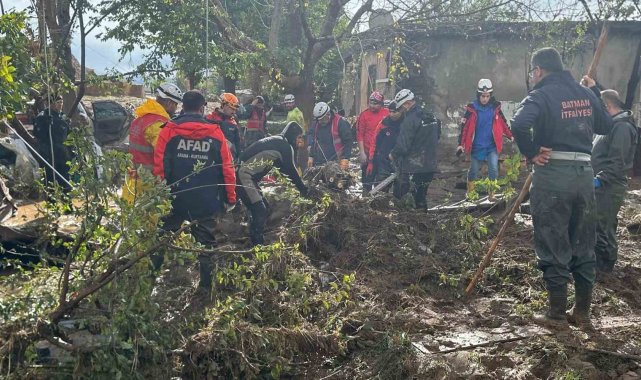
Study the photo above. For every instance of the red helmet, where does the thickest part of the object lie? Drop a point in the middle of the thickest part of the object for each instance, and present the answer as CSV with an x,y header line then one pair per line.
x,y
376,97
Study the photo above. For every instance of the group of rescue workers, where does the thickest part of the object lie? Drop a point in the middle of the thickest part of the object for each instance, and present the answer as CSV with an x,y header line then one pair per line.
x,y
577,189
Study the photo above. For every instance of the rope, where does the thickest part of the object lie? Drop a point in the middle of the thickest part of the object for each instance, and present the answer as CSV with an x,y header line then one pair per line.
x,y
206,45
39,156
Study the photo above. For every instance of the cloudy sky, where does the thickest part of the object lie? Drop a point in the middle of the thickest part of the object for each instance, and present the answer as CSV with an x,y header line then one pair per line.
x,y
101,55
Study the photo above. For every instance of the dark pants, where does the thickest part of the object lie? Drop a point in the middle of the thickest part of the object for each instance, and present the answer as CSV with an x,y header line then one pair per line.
x,y
60,157
257,209
609,199
203,233
563,213
421,183
367,180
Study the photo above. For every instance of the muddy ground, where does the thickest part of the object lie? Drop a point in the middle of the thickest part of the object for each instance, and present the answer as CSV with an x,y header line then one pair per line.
x,y
410,319
404,314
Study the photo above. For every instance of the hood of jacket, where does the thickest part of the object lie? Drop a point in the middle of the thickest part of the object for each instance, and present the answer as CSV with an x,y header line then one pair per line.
x,y
624,116
291,132
151,106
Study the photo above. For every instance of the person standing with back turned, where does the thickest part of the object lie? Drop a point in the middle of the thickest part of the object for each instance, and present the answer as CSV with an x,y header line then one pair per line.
x,y
553,128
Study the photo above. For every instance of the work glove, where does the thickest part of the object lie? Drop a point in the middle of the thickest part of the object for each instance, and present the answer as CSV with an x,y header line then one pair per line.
x,y
459,150
229,207
362,157
597,183
310,162
344,164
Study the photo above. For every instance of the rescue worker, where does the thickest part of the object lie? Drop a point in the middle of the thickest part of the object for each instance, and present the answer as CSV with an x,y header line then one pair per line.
x,y
366,125
51,129
296,115
256,161
484,126
225,116
330,138
293,112
193,157
143,134
416,148
553,128
256,117
612,159
379,165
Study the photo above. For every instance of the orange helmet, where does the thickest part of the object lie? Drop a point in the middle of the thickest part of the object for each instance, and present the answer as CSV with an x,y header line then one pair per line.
x,y
229,98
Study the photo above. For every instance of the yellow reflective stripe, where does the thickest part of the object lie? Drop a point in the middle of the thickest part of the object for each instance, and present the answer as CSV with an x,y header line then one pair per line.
x,y
141,148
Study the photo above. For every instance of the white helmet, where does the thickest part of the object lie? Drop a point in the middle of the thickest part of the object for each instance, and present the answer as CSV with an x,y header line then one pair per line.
x,y
289,98
485,85
320,109
403,96
170,91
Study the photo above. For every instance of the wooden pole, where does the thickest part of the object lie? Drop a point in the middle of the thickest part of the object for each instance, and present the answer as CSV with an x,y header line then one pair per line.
x,y
499,236
599,49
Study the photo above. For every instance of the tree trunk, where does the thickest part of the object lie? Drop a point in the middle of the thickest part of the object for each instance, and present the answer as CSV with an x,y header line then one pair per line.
x,y
274,30
305,95
58,19
191,78
229,84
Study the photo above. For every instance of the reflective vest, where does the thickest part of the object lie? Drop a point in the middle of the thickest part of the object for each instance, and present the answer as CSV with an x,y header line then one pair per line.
x,y
336,137
256,122
142,152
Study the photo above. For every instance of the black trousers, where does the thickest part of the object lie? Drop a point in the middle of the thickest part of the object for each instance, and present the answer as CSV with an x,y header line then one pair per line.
x,y
258,211
421,183
203,233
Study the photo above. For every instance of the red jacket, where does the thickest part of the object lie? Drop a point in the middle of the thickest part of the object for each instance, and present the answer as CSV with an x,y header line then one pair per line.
x,y
499,128
366,126
183,143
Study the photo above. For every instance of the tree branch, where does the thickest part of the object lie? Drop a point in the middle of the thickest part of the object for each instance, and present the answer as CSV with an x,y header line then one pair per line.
x,y
366,7
303,20
230,32
115,267
331,17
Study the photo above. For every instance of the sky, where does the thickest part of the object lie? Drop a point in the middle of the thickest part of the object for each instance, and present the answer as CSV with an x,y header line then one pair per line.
x,y
101,56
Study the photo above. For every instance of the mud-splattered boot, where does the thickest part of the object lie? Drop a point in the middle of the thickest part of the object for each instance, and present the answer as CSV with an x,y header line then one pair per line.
x,y
579,315
555,317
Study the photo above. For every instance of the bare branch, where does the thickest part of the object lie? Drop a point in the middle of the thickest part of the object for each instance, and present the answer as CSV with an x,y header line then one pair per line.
x,y
366,7
303,20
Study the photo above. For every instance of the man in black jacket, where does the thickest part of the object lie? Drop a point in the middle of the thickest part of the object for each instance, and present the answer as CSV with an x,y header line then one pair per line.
x,y
416,149
51,129
612,158
553,128
256,161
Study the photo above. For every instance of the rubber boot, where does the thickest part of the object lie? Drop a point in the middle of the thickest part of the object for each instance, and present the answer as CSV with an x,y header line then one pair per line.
x,y
420,197
579,315
205,267
555,317
470,188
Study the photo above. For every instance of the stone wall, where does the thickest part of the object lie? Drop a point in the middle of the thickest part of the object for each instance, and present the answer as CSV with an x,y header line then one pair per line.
x,y
445,65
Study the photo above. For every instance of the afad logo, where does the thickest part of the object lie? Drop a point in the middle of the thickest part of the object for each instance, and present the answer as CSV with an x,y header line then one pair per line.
x,y
195,145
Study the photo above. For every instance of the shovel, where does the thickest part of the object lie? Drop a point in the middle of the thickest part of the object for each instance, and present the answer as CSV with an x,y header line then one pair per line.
x,y
383,184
